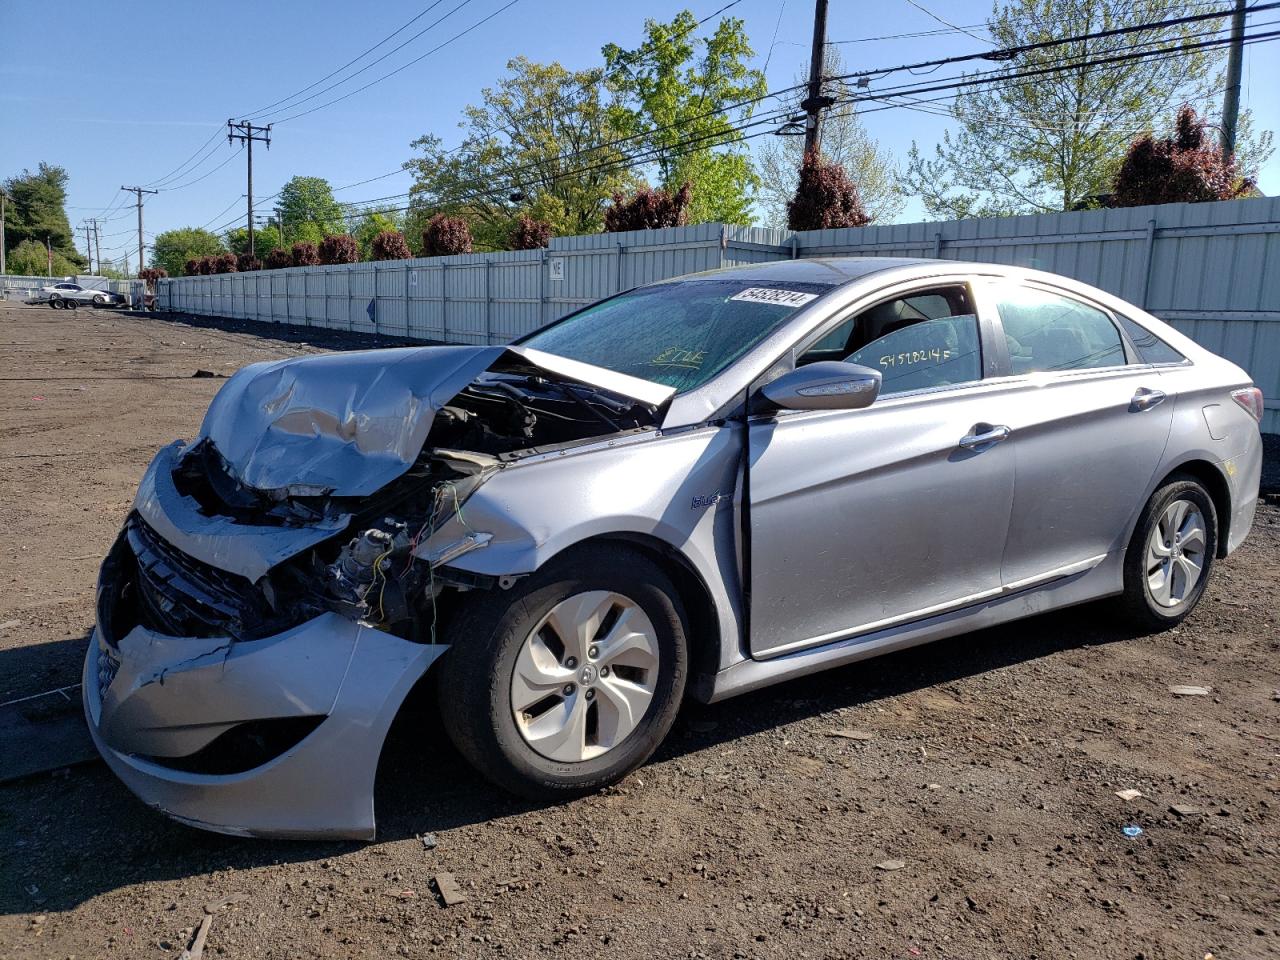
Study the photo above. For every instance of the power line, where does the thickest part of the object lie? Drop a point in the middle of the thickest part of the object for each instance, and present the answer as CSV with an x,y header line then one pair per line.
x,y
1009,53
399,29
373,63
405,66
187,167
203,176
947,23
973,80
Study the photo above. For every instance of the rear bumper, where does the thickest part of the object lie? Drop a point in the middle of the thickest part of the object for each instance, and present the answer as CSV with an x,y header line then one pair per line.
x,y
152,697
1244,476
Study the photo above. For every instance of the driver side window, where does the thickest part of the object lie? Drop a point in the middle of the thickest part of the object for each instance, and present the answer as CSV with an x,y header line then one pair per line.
x,y
928,338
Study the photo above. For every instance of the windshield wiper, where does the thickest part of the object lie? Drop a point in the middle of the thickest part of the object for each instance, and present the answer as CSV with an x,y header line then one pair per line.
x,y
566,390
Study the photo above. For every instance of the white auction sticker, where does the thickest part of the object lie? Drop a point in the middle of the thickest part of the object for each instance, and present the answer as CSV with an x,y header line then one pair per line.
x,y
783,298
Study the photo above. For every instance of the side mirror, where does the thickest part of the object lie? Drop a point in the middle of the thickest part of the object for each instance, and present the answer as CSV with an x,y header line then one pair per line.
x,y
826,385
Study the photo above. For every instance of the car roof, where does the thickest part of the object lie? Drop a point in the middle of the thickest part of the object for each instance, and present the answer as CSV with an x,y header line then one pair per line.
x,y
835,271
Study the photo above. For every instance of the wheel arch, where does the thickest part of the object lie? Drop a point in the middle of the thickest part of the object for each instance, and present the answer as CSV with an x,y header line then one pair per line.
x,y
693,592
1210,476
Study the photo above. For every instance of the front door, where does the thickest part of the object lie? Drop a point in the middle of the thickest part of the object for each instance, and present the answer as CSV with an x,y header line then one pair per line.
x,y
859,520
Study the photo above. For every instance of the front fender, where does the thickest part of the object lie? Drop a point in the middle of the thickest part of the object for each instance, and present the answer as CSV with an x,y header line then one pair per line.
x,y
681,489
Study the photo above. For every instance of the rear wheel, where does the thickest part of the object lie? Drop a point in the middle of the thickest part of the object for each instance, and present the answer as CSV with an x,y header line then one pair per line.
x,y
571,679
56,302
1170,556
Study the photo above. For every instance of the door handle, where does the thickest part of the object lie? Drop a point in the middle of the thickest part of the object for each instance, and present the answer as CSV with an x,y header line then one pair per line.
x,y
990,435
1145,399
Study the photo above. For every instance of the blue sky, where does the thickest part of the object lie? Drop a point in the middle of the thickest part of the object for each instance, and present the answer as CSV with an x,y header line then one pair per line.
x,y
150,82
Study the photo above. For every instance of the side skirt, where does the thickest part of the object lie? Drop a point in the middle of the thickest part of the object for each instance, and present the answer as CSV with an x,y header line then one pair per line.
x,y
1100,579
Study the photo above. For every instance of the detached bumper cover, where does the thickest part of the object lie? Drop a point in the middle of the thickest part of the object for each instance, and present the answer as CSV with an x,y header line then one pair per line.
x,y
154,696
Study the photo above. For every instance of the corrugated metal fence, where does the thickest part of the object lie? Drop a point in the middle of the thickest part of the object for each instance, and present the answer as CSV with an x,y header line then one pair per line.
x,y
1210,269
473,298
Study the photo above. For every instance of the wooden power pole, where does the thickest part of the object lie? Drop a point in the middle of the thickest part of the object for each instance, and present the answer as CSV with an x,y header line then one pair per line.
x,y
1231,97
138,191
815,102
246,133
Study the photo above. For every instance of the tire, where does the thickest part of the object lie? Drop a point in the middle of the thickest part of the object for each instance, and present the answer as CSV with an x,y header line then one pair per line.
x,y
1159,591
69,304
57,303
496,633
99,301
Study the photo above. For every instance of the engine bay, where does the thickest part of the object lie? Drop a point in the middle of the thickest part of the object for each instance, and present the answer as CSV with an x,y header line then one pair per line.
x,y
374,568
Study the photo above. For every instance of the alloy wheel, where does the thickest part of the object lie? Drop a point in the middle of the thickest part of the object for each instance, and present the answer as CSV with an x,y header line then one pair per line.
x,y
585,676
1176,554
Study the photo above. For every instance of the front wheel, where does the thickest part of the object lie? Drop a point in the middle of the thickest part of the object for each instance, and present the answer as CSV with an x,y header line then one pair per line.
x,y
571,679
99,301
1167,565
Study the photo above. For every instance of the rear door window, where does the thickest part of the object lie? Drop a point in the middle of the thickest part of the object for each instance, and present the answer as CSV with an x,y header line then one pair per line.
x,y
1048,332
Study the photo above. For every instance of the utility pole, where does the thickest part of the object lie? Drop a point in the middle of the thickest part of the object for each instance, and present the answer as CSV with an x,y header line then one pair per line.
x,y
97,242
48,252
815,102
88,246
280,226
1231,98
246,133
138,191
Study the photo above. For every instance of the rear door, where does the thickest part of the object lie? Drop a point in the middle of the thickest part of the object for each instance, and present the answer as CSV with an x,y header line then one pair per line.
x,y
862,519
1089,422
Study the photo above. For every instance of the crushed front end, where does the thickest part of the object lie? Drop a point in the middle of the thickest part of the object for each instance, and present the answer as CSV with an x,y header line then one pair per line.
x,y
255,640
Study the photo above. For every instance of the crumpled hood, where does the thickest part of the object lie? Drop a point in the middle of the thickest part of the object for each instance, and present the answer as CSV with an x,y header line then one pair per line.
x,y
340,423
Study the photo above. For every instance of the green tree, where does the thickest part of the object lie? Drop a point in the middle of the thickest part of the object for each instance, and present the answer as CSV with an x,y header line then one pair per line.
x,y
265,239
531,147
667,94
309,210
30,259
1056,140
173,248
371,223
845,141
36,211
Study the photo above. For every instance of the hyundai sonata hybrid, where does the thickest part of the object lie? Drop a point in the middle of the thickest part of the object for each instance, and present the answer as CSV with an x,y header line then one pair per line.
x,y
697,487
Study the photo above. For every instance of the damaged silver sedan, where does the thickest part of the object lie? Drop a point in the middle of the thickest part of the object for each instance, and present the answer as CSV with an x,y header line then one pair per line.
x,y
701,486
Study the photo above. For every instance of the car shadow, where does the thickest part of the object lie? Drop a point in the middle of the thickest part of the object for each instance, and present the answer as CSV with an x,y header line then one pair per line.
x,y
76,834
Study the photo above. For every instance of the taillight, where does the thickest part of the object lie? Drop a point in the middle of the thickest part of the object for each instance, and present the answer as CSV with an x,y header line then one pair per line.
x,y
1250,399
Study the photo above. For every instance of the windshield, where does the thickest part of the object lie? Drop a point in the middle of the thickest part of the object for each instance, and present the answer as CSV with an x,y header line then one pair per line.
x,y
678,334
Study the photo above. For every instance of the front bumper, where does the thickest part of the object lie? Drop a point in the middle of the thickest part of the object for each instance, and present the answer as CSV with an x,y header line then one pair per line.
x,y
151,697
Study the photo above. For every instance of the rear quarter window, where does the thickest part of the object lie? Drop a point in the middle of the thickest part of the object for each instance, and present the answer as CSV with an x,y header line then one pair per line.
x,y
1150,347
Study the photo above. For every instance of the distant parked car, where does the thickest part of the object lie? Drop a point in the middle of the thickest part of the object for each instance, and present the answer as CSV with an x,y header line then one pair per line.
x,y
75,292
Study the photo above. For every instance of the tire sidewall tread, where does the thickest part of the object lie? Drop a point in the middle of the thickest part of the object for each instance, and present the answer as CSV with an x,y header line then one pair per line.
x,y
1136,602
487,634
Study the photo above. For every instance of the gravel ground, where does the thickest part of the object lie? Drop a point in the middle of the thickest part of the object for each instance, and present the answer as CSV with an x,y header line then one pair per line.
x,y
955,801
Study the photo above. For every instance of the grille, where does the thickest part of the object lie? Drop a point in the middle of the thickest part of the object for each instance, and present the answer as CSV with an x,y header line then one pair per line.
x,y
181,596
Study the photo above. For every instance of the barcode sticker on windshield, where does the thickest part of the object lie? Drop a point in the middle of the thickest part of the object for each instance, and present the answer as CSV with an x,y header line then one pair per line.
x,y
782,298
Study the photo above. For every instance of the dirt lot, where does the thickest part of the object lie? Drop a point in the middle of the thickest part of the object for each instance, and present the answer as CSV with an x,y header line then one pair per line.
x,y
989,765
